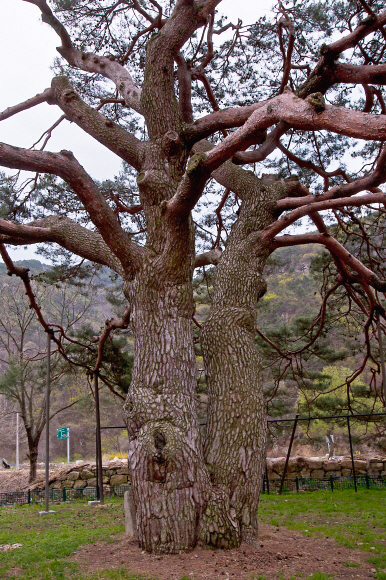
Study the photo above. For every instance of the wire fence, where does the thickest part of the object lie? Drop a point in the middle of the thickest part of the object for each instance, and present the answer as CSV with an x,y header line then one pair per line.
x,y
297,484
37,496
301,484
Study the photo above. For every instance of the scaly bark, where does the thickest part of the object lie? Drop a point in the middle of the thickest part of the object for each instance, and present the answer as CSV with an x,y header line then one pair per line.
x,y
236,430
165,454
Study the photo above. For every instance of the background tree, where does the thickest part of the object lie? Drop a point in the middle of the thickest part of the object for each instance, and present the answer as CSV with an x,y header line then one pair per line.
x,y
23,358
183,112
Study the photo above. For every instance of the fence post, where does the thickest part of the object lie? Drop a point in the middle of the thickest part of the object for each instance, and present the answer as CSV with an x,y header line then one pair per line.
x,y
29,496
367,481
288,454
351,451
332,483
64,494
297,484
266,477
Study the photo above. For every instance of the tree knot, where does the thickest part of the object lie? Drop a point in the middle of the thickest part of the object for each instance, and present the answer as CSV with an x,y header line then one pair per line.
x,y
317,101
195,162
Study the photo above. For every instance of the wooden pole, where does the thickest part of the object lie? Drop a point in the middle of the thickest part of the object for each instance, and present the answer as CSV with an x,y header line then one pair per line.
x,y
352,455
48,386
17,441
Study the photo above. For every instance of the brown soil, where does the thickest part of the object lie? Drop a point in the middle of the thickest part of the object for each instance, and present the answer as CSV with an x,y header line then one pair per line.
x,y
17,480
282,554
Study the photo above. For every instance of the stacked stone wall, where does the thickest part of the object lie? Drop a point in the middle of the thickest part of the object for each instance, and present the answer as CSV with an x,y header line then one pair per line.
x,y
116,473
82,476
316,467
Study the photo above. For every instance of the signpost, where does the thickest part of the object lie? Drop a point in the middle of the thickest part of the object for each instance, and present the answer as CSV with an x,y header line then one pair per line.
x,y
64,433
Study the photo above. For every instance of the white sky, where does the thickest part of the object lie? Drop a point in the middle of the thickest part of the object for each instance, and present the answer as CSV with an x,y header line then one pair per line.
x,y
27,50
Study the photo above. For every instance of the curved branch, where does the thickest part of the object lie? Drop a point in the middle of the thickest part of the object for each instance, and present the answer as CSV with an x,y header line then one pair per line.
x,y
67,167
287,23
364,274
110,325
307,115
316,206
369,182
63,231
91,62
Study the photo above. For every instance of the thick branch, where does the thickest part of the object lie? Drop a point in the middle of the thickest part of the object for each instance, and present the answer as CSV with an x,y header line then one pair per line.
x,y
67,167
63,231
208,258
110,134
358,74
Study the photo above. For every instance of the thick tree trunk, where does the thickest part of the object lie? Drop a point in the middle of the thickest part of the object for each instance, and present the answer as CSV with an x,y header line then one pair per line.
x,y
235,444
165,453
179,497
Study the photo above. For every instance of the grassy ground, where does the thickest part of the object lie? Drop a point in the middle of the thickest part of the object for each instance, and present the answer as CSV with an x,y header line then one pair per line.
x,y
354,520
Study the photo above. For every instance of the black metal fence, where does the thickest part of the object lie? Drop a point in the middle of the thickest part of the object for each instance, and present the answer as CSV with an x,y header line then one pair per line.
x,y
37,496
299,484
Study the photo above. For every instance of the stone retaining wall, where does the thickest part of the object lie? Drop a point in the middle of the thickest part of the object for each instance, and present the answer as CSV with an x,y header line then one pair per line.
x,y
317,467
117,473
83,476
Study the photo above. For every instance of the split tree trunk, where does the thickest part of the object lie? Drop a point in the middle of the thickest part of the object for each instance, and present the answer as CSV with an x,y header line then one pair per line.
x,y
235,444
187,491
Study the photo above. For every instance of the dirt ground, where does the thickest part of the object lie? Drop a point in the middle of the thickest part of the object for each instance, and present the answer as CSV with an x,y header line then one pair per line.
x,y
282,554
17,480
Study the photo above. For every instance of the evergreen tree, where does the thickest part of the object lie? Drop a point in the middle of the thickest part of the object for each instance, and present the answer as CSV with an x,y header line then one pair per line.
x,y
189,115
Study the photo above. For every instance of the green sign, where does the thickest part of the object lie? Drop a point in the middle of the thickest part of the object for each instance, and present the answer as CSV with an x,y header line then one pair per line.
x,y
62,432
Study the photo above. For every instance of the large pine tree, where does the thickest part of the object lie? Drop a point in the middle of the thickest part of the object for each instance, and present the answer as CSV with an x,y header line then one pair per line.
x,y
189,117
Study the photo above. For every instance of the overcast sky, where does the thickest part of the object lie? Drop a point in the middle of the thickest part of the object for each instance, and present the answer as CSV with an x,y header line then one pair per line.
x,y
27,49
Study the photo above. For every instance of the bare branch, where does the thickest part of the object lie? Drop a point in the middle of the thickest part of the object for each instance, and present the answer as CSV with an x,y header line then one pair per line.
x,y
104,130
64,232
67,167
110,325
369,182
91,62
287,23
44,97
329,242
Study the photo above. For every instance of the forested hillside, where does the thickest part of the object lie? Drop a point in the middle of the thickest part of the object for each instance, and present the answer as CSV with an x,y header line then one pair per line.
x,y
293,298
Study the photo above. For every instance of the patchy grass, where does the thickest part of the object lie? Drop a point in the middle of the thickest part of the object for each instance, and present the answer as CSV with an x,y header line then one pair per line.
x,y
48,540
355,520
